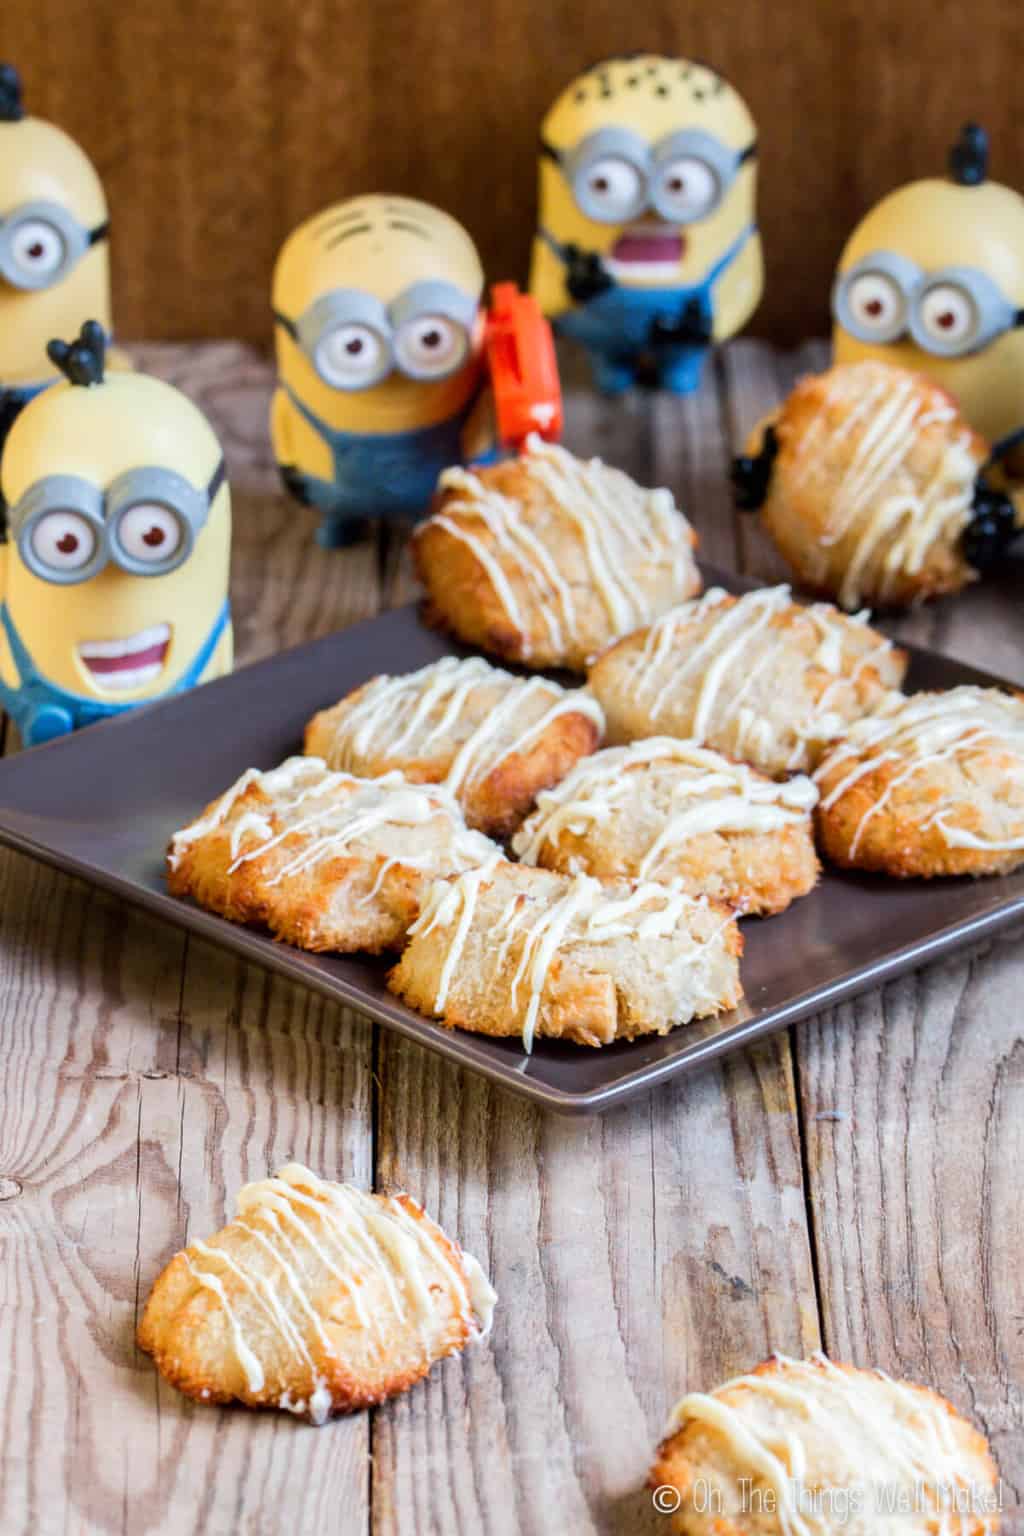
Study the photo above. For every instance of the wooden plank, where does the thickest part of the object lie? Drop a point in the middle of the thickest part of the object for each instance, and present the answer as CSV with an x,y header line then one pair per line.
x,y
661,1247
144,1077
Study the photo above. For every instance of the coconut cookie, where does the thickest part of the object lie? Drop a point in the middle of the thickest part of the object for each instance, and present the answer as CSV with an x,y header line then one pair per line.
x,y
673,811
546,558
809,1448
318,1298
324,860
930,785
509,950
871,485
493,739
757,677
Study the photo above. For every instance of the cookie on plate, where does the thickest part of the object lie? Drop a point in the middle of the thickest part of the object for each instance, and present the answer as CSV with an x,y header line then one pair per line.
x,y
510,950
673,811
318,1298
822,1449
930,785
493,739
546,558
758,677
324,860
871,485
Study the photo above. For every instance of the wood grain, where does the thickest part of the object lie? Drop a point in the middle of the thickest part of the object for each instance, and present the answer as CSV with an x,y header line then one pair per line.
x,y
217,128
144,1076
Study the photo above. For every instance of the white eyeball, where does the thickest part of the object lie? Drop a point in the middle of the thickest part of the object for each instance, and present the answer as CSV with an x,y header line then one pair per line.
x,y
876,304
610,189
149,532
351,357
64,541
948,315
687,189
430,347
37,249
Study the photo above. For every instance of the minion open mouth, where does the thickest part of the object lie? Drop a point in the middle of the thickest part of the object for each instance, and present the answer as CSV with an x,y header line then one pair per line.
x,y
647,251
121,665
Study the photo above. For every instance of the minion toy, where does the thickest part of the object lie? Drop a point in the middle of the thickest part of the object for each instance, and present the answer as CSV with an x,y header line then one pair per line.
x,y
114,570
933,279
389,369
54,261
647,249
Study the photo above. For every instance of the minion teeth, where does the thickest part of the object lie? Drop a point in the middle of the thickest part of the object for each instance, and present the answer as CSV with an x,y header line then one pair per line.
x,y
646,252
126,664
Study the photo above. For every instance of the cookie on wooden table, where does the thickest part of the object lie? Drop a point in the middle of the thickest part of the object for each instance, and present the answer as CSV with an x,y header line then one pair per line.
x,y
872,485
546,558
493,739
930,785
318,1298
510,950
812,1448
759,677
324,860
674,811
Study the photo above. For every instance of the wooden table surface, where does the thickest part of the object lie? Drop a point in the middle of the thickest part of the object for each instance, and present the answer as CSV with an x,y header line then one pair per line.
x,y
856,1184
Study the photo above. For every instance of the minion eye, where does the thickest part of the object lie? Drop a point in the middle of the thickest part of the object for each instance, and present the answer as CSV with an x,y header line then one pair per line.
x,y
610,189
430,347
149,532
876,307
38,250
351,357
63,541
687,189
948,315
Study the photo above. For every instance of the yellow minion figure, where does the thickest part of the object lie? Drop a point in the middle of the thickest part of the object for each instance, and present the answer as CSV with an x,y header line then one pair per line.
x,y
54,262
647,249
114,569
386,369
933,279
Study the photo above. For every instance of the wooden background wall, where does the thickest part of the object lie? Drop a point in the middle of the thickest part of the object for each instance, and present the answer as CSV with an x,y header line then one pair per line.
x,y
218,124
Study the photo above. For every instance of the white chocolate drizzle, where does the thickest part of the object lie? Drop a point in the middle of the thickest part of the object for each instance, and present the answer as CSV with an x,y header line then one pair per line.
x,y
352,1237
894,517
322,813
621,526
709,793
867,1431
734,650
419,712
584,911
916,733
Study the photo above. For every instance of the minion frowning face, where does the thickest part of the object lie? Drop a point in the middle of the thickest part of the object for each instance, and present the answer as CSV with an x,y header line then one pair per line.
x,y
54,263
118,526
649,162
377,305
933,280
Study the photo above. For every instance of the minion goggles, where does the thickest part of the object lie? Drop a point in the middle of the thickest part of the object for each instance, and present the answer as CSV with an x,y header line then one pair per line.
x,y
354,340
948,313
40,243
147,522
654,167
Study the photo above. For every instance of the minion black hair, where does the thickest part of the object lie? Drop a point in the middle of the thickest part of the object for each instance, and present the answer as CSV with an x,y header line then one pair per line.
x,y
81,360
11,110
968,159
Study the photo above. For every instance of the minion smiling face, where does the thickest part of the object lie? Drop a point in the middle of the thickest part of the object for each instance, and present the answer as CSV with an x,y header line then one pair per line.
x,y
649,163
118,524
377,310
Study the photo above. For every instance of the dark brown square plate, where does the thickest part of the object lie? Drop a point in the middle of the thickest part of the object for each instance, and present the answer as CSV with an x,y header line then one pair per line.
x,y
102,804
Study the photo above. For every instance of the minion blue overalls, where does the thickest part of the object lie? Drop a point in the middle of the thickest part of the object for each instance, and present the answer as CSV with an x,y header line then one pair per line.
x,y
378,474
618,326
43,711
